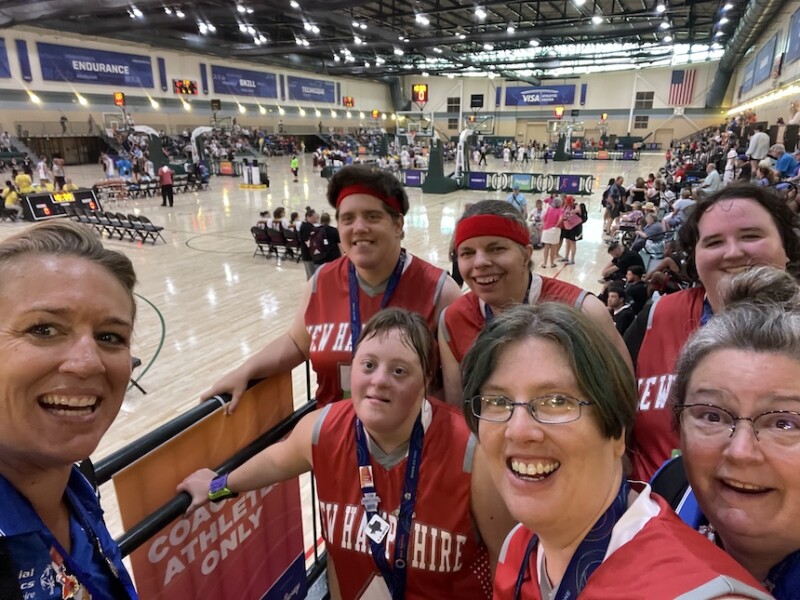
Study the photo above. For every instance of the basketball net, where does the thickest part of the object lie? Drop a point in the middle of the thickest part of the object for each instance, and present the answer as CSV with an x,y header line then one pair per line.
x,y
410,135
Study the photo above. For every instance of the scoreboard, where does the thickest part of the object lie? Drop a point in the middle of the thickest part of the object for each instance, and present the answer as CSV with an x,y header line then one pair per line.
x,y
50,205
185,87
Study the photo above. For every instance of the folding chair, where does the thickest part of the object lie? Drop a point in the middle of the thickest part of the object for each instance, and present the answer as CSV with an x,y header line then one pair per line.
x,y
115,226
263,245
138,226
292,243
126,227
277,242
150,230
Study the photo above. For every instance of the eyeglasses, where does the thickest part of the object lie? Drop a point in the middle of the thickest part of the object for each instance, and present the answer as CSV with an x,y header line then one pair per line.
x,y
775,427
553,408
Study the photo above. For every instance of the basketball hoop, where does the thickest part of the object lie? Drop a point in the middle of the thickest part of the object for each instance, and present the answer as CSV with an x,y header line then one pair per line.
x,y
410,135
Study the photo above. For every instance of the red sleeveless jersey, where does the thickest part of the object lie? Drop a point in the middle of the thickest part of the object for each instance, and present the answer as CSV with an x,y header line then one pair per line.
x,y
673,319
464,319
663,561
445,557
328,317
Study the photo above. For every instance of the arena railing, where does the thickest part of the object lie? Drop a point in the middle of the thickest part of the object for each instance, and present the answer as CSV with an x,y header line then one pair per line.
x,y
148,527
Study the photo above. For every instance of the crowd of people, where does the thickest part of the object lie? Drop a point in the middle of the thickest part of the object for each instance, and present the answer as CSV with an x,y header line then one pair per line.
x,y
526,436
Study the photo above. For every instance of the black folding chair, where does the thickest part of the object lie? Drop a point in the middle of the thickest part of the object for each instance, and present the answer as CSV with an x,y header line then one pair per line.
x,y
263,245
127,227
151,230
292,243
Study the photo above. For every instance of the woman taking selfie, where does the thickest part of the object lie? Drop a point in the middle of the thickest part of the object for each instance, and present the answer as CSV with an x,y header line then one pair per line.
x,y
66,321
554,438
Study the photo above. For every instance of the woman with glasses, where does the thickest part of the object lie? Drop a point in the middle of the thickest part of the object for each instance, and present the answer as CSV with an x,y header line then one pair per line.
x,y
728,232
494,257
554,438
408,506
737,394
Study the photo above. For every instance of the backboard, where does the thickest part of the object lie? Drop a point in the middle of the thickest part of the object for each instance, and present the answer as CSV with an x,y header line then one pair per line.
x,y
482,124
420,123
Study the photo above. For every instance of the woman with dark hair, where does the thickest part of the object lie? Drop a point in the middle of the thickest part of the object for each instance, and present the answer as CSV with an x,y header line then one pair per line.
x,y
554,439
409,507
494,257
735,229
304,233
743,366
375,272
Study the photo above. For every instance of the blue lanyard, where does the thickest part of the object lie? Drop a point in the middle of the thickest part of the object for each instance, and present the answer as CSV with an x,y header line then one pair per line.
x,y
488,313
355,308
707,313
588,556
395,578
783,580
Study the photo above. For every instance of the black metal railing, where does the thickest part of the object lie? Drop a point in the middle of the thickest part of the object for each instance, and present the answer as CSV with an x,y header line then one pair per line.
x,y
148,527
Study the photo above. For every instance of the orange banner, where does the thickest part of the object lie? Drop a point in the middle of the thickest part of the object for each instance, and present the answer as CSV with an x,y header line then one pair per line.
x,y
241,548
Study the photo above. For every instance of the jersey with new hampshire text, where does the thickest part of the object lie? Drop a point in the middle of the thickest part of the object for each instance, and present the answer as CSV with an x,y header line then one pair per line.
x,y
673,320
445,557
464,318
663,561
328,317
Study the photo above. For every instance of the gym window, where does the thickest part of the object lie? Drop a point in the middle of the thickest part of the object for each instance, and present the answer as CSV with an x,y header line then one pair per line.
x,y
452,123
641,122
644,99
454,106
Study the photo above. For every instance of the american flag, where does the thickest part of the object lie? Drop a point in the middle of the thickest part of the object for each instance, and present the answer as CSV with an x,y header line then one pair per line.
x,y
681,87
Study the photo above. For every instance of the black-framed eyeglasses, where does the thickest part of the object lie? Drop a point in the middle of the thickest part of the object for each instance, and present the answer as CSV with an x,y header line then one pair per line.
x,y
779,427
549,409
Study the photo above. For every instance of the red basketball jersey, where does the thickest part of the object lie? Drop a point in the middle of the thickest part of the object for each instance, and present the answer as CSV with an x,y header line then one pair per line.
x,y
445,557
673,319
328,317
464,319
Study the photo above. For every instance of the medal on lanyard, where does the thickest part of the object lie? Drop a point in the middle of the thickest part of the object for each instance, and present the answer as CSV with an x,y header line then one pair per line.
x,y
587,557
488,313
355,308
377,527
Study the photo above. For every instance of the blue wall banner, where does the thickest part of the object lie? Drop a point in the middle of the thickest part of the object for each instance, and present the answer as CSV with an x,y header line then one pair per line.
x,y
584,87
498,95
477,181
5,67
747,78
793,51
162,73
764,60
523,180
239,82
338,93
204,78
87,65
540,95
312,90
24,60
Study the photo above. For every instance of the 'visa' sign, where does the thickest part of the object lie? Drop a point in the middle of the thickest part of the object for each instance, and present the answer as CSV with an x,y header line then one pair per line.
x,y
553,94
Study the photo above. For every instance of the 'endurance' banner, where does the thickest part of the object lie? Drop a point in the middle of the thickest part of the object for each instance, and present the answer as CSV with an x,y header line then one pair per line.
x,y
87,65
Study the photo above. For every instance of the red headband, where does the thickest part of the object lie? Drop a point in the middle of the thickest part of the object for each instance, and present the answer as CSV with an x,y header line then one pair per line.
x,y
491,225
360,188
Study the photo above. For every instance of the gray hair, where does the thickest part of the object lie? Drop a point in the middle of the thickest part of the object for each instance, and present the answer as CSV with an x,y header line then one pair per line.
x,y
556,202
762,314
602,375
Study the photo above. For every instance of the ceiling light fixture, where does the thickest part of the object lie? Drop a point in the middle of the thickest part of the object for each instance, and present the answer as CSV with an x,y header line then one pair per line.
x,y
488,46
426,74
723,20
168,10
510,29
728,6
262,110
422,19
81,100
211,28
333,113
317,113
597,19
668,39
281,111
399,51
357,40
34,98
179,13
661,7
294,4
136,12
241,8
480,13
242,108
580,2
535,43
154,103
664,25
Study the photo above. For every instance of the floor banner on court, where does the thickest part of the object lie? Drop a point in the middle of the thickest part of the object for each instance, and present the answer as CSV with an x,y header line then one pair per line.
x,y
247,548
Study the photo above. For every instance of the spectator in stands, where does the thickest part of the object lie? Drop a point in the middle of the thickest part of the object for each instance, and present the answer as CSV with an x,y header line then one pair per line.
x,y
69,186
166,178
636,288
742,366
376,271
680,210
555,438
517,200
620,309
67,312
758,148
389,417
765,176
621,260
739,227
5,142
648,229
785,162
713,182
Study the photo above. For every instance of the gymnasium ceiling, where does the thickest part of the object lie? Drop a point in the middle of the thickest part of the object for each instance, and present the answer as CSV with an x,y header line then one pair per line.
x,y
378,39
